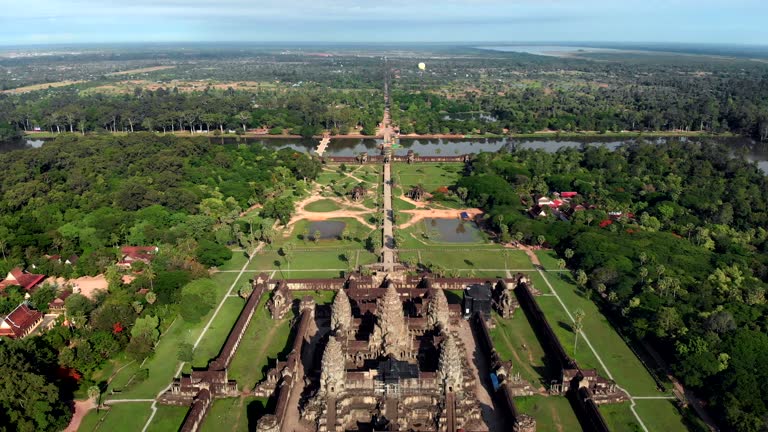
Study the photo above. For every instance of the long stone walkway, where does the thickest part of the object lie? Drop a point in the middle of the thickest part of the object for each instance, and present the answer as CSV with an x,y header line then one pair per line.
x,y
389,240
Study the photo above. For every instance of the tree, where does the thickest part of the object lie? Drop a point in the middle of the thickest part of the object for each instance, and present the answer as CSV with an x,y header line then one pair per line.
x,y
151,297
244,117
561,264
578,324
31,398
197,299
568,253
212,254
94,393
246,291
581,278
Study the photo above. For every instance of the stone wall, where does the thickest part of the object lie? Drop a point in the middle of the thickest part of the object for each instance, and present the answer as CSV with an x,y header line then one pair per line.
x,y
371,159
547,336
590,415
197,413
581,396
315,284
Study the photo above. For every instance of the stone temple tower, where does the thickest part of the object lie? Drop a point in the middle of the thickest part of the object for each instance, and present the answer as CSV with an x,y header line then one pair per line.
x,y
333,369
449,369
341,313
437,310
391,330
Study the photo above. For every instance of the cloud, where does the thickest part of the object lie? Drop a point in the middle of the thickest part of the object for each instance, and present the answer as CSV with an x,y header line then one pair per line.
x,y
376,20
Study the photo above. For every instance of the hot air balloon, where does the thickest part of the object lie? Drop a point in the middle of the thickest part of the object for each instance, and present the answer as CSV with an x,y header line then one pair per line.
x,y
422,66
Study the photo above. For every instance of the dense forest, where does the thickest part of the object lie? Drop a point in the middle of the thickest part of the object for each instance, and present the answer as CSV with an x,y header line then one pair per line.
x,y
87,195
683,268
306,111
652,103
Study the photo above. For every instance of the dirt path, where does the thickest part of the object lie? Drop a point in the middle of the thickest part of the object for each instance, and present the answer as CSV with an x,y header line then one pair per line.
x,y
418,215
353,210
81,409
528,251
348,174
556,419
250,209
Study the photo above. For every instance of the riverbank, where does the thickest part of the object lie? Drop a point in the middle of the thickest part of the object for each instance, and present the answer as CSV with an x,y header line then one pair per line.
x,y
540,134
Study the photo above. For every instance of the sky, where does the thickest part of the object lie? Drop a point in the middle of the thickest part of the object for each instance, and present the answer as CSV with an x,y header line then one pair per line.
x,y
88,21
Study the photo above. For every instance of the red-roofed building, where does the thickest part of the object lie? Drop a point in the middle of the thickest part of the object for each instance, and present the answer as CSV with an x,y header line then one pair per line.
x,y
131,254
556,203
605,223
21,322
17,277
568,194
58,304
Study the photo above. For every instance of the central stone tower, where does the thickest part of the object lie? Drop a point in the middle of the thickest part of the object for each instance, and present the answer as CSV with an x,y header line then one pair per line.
x,y
390,334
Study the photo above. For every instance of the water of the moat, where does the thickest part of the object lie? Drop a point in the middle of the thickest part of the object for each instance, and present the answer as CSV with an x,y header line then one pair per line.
x,y
756,152
453,230
327,229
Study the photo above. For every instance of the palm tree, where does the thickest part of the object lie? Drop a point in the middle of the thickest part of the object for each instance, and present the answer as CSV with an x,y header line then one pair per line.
x,y
150,275
94,393
151,297
578,324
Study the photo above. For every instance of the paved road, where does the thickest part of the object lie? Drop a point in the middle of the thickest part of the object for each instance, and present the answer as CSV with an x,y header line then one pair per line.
x,y
388,241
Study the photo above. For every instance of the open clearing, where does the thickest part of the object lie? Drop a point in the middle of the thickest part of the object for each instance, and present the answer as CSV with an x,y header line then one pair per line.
x,y
141,70
35,87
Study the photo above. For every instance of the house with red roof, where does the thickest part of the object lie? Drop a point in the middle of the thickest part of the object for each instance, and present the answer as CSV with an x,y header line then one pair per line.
x,y
20,322
132,254
568,194
17,277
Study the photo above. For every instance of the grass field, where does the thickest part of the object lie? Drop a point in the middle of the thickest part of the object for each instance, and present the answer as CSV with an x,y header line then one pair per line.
x,y
35,87
217,333
660,415
620,418
626,368
320,297
168,418
552,413
123,417
548,259
234,414
262,342
515,341
236,263
430,176
324,205
163,363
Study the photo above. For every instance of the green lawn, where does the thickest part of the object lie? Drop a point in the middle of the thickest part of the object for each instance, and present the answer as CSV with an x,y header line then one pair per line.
x,y
458,258
324,205
236,263
619,359
548,259
515,341
620,418
217,333
552,413
430,176
262,342
399,204
660,415
127,417
234,414
162,365
168,418
326,260
320,297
